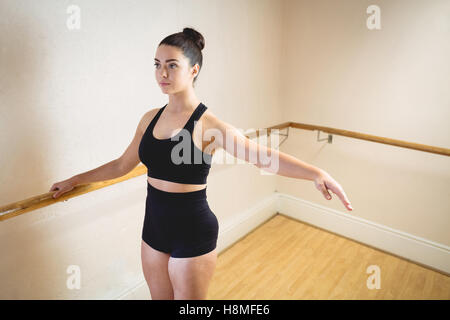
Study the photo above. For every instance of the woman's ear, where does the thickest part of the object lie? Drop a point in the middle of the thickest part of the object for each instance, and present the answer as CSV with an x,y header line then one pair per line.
x,y
195,70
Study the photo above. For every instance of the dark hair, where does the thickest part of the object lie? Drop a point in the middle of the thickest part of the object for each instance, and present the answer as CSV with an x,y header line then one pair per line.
x,y
191,43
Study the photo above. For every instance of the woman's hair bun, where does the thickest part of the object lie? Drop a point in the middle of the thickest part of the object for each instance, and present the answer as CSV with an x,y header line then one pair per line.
x,y
195,36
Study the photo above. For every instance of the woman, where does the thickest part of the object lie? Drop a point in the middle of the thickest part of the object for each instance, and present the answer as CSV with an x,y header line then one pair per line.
x,y
179,235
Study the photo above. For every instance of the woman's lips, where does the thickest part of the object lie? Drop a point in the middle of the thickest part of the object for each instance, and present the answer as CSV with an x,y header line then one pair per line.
x,y
164,84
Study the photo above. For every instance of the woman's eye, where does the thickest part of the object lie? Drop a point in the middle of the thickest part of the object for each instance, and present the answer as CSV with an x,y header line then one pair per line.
x,y
173,64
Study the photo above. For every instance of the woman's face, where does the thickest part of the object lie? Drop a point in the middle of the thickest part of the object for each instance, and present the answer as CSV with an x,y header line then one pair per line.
x,y
172,67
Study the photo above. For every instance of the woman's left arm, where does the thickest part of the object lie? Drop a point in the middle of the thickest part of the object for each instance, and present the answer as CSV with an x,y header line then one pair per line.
x,y
286,165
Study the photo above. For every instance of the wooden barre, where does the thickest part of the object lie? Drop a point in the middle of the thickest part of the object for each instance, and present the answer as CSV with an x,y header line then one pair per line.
x,y
46,199
368,137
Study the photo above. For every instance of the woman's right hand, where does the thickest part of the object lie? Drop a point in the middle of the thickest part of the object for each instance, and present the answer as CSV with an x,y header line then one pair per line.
x,y
62,187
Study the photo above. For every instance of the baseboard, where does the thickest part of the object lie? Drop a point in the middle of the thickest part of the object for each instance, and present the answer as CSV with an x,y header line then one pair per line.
x,y
421,251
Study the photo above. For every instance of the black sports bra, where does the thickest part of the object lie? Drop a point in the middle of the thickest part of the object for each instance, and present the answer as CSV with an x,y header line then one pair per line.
x,y
177,158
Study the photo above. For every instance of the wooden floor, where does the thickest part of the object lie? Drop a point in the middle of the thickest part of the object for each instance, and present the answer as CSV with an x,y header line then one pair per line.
x,y
287,259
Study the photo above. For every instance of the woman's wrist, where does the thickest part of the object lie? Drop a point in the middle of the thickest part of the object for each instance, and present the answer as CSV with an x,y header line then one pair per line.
x,y
75,180
319,174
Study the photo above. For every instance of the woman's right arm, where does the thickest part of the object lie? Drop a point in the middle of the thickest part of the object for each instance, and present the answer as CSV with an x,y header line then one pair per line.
x,y
111,170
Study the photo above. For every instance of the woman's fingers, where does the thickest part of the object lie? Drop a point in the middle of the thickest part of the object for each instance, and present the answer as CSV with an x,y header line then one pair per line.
x,y
57,187
339,191
62,187
54,187
324,183
324,191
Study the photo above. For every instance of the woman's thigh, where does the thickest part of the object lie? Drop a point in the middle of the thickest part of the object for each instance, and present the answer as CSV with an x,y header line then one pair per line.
x,y
190,277
155,267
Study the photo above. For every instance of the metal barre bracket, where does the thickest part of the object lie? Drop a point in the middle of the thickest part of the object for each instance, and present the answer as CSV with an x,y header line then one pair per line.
x,y
330,137
282,134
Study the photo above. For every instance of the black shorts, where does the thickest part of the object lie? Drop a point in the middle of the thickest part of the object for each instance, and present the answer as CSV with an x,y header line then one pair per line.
x,y
179,223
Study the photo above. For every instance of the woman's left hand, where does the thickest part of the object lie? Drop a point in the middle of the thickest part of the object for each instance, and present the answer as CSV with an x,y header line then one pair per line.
x,y
324,183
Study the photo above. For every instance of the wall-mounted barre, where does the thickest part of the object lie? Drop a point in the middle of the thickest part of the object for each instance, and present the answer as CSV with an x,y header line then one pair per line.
x,y
368,137
46,199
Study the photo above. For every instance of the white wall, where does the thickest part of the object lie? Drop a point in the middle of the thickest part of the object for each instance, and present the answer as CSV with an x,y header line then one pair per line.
x,y
70,101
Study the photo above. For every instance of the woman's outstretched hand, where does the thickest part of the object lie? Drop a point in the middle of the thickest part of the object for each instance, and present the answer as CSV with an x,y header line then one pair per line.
x,y
324,183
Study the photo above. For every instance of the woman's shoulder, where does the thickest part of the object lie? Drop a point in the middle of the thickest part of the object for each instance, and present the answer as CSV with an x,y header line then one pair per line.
x,y
209,118
147,118
212,121
150,114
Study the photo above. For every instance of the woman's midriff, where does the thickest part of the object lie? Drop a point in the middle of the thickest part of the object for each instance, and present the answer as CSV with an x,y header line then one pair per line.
x,y
169,186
